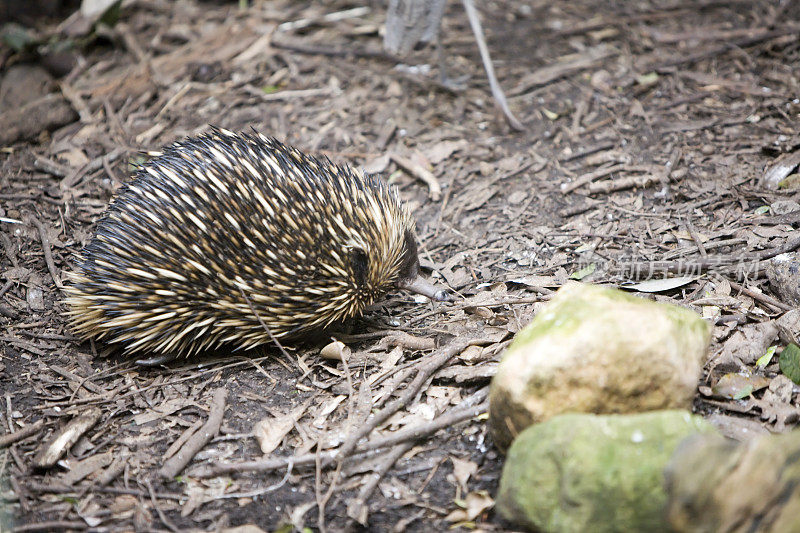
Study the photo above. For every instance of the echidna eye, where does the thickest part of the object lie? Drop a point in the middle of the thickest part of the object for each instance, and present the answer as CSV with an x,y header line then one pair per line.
x,y
359,262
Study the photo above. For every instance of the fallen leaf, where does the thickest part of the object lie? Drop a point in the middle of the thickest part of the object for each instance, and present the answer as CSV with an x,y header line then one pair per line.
x,y
584,272
659,285
471,507
738,385
462,470
270,431
790,363
442,150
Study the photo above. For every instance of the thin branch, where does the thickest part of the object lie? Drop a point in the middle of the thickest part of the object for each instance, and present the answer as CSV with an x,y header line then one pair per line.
x,y
497,91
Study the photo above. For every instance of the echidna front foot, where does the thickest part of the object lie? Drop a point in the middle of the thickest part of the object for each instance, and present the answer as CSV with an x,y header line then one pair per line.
x,y
420,285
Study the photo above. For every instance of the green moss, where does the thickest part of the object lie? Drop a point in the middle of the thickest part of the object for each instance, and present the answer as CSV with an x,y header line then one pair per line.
x,y
577,304
580,472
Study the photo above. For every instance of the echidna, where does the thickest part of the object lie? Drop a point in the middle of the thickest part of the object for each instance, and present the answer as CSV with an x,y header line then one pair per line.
x,y
221,225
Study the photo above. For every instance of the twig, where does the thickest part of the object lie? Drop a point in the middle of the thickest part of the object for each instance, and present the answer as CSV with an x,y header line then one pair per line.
x,y
187,433
55,488
329,17
602,147
193,445
415,432
589,177
421,173
287,95
696,238
790,246
412,433
763,298
77,103
20,434
52,525
357,509
334,52
430,365
621,184
544,295
49,166
497,91
164,520
352,415
721,49
91,166
261,491
48,252
113,470
266,327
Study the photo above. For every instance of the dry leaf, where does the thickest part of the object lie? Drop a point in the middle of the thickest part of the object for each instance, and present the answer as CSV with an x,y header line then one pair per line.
x,y
441,151
473,506
269,432
462,470
326,409
337,351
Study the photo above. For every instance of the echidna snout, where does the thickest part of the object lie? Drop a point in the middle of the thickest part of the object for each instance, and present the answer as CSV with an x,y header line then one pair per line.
x,y
221,225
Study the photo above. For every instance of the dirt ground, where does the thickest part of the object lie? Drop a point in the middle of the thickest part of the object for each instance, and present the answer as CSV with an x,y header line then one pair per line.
x,y
649,130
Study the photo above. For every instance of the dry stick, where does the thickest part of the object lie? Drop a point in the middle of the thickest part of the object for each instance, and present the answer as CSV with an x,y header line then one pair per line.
x,y
358,509
51,525
763,298
696,238
19,491
48,252
585,179
408,434
330,17
790,246
164,520
497,91
421,173
602,147
334,52
53,488
20,434
621,184
266,328
544,295
422,430
77,103
110,474
639,269
179,461
432,364
412,433
725,47
322,501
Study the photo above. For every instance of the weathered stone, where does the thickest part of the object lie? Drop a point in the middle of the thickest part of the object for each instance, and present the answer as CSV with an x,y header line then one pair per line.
x,y
715,484
597,350
580,472
23,84
783,272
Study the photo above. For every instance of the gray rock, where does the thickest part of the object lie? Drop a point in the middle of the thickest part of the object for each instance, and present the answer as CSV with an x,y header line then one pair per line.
x,y
783,272
23,84
597,350
715,484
